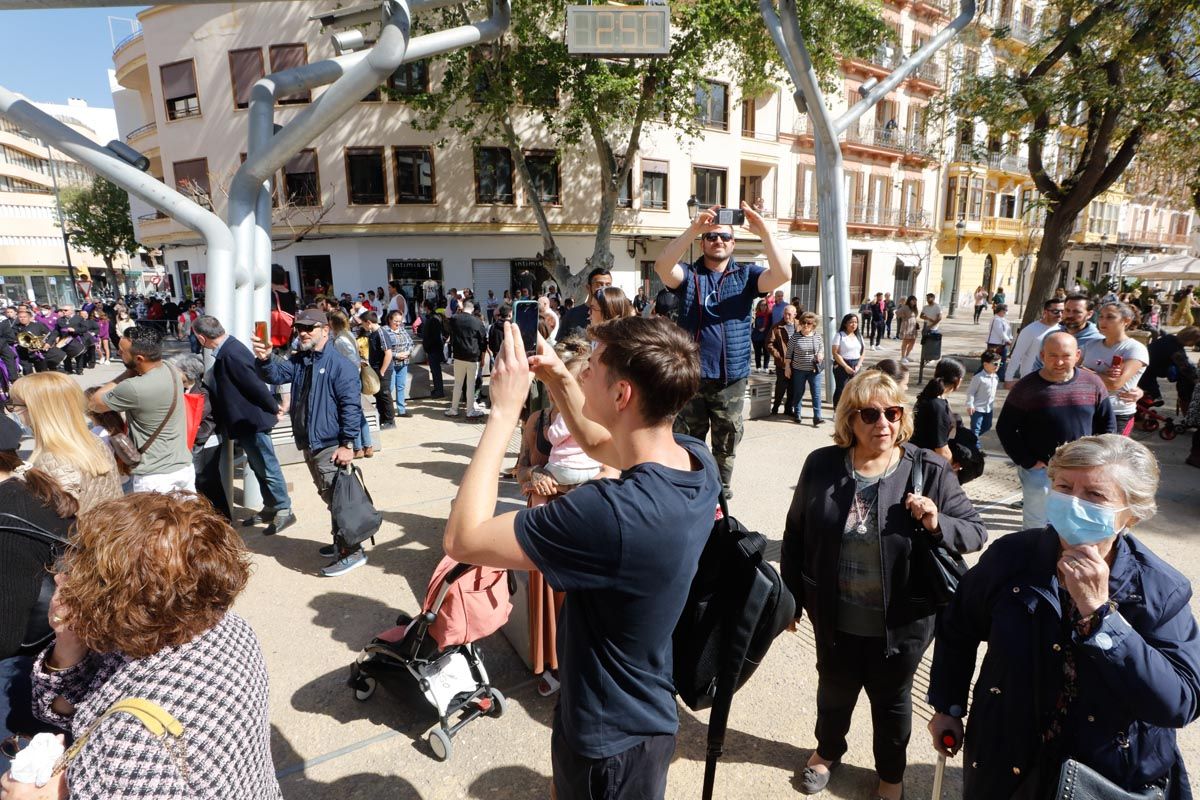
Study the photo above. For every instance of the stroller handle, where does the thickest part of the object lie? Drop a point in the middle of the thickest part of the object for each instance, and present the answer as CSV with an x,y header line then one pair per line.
x,y
453,575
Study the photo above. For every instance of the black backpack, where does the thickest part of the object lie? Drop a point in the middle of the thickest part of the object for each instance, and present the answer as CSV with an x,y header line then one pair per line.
x,y
736,607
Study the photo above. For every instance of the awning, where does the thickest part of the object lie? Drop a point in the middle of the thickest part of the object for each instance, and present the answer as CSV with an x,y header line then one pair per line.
x,y
1172,268
909,262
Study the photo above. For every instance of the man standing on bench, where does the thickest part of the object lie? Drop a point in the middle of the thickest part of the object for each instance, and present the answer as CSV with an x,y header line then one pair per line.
x,y
624,551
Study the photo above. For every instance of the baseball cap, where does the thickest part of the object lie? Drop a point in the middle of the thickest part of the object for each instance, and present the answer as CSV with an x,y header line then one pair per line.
x,y
311,316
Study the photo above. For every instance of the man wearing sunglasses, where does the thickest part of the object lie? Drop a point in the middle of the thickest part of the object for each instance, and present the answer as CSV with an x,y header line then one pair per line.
x,y
325,413
1028,346
716,295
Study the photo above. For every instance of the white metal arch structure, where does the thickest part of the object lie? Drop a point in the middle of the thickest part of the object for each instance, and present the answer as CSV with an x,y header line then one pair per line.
x,y
784,28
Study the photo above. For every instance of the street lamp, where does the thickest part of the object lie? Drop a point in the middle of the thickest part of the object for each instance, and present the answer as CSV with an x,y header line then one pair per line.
x,y
1100,269
693,209
959,227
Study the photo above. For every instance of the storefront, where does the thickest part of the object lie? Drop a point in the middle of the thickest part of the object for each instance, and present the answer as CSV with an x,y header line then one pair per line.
x,y
40,284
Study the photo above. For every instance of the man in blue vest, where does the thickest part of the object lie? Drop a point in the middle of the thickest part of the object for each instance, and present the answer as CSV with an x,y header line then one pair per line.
x,y
716,295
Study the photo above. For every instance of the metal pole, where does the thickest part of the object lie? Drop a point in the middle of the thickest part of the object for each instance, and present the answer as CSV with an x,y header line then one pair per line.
x,y
62,224
784,28
959,227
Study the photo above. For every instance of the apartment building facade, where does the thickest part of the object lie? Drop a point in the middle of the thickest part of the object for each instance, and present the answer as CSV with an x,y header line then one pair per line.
x,y
374,199
990,219
33,257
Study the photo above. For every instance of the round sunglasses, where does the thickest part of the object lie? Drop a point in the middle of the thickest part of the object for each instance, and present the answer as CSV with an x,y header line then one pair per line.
x,y
871,415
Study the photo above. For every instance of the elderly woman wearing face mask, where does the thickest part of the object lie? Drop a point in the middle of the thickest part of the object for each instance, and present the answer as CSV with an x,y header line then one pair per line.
x,y
1093,656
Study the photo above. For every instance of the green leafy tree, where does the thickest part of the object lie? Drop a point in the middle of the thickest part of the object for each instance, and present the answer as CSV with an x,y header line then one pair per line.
x,y
98,218
1115,74
492,93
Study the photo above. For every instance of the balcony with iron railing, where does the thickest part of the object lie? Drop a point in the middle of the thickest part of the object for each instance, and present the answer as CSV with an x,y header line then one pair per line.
x,y
128,40
1016,29
888,136
943,7
932,72
997,160
144,130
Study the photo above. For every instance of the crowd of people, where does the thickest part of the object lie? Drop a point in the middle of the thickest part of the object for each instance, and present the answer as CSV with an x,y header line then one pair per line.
x,y
1093,658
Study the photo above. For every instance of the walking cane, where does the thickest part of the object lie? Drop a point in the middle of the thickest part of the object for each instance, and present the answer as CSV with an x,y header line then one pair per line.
x,y
950,741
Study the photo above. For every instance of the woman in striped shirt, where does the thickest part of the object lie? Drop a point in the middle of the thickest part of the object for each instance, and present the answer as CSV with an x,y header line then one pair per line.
x,y
803,364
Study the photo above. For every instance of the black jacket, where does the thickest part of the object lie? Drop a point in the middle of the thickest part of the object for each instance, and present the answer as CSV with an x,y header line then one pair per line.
x,y
432,335
242,403
1138,674
812,540
468,337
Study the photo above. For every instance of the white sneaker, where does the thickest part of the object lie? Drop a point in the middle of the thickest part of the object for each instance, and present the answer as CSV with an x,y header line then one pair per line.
x,y
451,412
904,360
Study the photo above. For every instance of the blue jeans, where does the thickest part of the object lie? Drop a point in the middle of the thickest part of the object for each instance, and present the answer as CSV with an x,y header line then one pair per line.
x,y
16,702
364,432
260,456
813,380
981,423
400,385
1035,486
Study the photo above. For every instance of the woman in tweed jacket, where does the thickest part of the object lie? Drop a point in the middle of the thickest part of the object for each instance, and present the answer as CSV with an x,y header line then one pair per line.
x,y
155,626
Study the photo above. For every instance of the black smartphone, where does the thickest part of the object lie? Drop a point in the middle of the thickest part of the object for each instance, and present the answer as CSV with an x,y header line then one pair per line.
x,y
731,216
525,315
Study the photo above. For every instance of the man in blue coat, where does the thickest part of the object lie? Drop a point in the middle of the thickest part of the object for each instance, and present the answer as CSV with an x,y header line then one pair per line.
x,y
245,411
325,412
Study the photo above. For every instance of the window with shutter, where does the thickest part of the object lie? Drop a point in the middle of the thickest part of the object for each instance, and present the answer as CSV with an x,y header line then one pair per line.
x,y
245,69
179,89
289,56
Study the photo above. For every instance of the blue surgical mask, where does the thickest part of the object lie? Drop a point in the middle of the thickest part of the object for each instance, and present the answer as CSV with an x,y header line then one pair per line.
x,y
1078,521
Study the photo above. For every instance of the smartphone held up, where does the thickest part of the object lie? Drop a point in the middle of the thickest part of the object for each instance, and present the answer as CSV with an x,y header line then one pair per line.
x,y
526,317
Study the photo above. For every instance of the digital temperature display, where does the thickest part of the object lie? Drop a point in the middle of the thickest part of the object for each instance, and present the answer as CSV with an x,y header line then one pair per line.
x,y
618,31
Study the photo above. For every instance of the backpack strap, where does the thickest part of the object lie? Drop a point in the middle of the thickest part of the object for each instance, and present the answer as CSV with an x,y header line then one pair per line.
x,y
738,645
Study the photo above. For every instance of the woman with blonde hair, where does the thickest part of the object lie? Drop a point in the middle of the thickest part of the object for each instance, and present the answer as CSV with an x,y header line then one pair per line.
x,y
53,407
858,512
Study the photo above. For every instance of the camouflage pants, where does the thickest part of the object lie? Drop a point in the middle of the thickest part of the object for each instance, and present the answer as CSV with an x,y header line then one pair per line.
x,y
717,405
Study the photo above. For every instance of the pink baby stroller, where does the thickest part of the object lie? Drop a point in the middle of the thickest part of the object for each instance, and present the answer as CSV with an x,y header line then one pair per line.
x,y
463,604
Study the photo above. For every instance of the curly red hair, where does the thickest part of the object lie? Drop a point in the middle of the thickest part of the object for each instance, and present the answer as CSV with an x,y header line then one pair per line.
x,y
150,571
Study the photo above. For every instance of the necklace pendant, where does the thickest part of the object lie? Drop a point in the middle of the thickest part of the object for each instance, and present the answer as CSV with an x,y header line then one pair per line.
x,y
861,528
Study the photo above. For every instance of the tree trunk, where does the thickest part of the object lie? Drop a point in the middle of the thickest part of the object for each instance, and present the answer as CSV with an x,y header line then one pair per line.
x,y
1056,235
552,258
110,274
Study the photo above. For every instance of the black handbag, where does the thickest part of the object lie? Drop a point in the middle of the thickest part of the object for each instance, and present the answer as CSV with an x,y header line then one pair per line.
x,y
1078,781
934,571
353,511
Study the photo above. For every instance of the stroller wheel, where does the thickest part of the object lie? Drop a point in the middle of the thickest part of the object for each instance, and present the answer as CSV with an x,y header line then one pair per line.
x,y
1168,432
498,703
1150,424
366,688
439,743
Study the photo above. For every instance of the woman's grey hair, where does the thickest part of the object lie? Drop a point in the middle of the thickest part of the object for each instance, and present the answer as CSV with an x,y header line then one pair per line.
x,y
1131,465
190,364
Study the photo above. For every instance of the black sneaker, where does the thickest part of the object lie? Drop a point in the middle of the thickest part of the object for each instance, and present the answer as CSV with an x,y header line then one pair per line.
x,y
282,520
260,518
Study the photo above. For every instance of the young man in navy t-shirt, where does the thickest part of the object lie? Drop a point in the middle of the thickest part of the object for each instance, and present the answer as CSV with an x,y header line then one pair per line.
x,y
624,550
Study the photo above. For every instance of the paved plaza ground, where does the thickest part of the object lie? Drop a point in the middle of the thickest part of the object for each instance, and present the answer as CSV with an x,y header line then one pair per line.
x,y
326,744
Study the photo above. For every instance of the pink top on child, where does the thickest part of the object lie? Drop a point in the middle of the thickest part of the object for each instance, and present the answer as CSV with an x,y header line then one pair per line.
x,y
564,450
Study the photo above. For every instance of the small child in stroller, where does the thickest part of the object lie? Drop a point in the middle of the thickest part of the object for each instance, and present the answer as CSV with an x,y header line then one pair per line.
x,y
463,604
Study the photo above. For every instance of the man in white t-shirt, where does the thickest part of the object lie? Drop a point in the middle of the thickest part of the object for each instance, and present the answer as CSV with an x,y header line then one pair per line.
x,y
1025,352
931,313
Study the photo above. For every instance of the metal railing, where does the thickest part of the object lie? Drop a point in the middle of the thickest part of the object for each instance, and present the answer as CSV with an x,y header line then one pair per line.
x,y
149,127
931,71
804,211
1017,29
156,215
130,39
881,136
1007,162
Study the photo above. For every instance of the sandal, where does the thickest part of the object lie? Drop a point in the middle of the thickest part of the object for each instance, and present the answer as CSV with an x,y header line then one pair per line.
x,y
548,684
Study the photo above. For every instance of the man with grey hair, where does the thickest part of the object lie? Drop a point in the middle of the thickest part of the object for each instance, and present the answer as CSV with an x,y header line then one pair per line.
x,y
245,411
206,451
1057,404
468,343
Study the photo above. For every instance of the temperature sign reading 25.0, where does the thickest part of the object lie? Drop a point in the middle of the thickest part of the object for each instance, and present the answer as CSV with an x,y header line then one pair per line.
x,y
618,31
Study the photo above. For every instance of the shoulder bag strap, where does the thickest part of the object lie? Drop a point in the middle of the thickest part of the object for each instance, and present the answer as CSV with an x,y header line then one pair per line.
x,y
33,529
170,413
156,720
